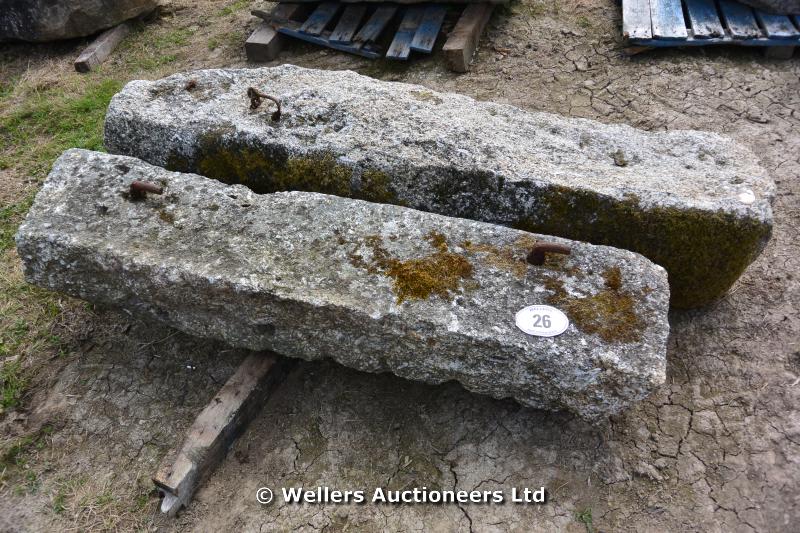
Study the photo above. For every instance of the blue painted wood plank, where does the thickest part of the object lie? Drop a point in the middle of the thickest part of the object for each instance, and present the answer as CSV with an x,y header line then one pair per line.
x,y
636,19
320,18
374,26
704,19
428,29
759,42
667,17
777,26
739,19
292,29
401,45
348,23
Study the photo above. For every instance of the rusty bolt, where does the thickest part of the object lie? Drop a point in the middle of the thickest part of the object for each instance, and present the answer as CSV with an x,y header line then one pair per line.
x,y
139,189
256,97
537,257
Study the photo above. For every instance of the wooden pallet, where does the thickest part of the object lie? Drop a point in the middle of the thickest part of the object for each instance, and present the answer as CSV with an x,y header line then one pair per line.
x,y
665,23
373,30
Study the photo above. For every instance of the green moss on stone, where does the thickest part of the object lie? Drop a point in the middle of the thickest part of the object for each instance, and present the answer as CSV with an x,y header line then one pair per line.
x,y
704,253
166,216
376,187
438,274
272,169
609,314
426,96
510,258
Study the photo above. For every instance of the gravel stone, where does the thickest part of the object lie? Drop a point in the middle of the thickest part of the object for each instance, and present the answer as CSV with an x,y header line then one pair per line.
x,y
51,20
696,203
317,276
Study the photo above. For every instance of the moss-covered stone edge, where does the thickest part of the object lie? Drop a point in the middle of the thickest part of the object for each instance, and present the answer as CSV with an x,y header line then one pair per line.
x,y
704,252
270,168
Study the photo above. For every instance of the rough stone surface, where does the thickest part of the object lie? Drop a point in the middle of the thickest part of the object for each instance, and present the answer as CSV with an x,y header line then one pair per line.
x,y
694,202
51,20
318,276
781,7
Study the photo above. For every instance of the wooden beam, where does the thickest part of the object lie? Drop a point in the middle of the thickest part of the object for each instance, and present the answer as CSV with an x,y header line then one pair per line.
x,y
463,40
101,48
265,43
217,426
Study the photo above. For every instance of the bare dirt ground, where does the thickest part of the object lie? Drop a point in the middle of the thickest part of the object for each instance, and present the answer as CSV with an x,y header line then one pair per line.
x,y
716,449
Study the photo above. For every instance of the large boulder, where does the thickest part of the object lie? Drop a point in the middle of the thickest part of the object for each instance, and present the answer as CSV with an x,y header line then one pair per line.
x,y
781,7
51,20
694,202
376,287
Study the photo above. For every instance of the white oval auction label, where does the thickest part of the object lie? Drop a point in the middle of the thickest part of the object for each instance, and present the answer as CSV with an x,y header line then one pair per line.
x,y
542,321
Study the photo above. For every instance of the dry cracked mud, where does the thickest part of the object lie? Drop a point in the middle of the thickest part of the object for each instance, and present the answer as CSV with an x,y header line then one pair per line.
x,y
716,449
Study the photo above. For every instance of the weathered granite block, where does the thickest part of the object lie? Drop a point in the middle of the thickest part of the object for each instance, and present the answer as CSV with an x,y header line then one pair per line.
x,y
376,287
696,203
49,20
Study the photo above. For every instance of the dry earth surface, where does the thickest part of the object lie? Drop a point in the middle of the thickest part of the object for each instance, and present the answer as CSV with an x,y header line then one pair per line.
x,y
103,396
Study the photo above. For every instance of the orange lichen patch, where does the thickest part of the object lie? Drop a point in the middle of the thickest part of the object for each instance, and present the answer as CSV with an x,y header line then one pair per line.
x,y
438,274
510,258
610,313
166,216
503,258
437,240
613,278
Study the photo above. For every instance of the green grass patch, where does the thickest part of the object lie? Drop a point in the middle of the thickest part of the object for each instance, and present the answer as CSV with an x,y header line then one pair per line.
x,y
19,337
5,89
48,122
59,502
231,39
179,37
233,8
155,62
151,47
529,9
16,455
12,384
585,517
27,315
10,217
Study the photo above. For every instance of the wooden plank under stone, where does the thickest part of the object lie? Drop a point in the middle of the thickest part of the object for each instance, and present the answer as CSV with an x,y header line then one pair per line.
x,y
463,40
636,19
777,26
704,19
401,44
217,426
101,48
375,25
668,21
266,43
428,29
292,29
320,18
740,20
348,24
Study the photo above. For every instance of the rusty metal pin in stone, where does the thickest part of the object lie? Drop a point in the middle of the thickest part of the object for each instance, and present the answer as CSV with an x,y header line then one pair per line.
x,y
139,189
256,98
537,254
